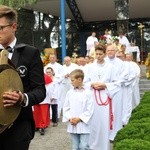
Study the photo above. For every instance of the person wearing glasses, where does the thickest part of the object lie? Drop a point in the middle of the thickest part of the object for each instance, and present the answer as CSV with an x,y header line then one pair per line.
x,y
28,63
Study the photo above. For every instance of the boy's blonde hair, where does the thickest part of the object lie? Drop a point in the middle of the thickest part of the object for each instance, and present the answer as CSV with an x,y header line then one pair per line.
x,y
77,73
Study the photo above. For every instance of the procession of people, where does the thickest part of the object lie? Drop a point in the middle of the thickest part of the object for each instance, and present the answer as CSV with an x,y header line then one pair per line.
x,y
94,94
113,81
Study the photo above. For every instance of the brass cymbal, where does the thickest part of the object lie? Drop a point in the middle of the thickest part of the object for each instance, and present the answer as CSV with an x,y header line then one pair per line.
x,y
9,81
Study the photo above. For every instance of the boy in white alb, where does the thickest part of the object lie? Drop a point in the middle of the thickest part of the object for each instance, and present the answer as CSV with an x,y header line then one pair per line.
x,y
101,78
77,111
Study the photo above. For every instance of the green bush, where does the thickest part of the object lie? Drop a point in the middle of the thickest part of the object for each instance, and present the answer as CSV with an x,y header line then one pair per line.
x,y
134,131
140,107
143,113
142,120
132,144
145,98
136,135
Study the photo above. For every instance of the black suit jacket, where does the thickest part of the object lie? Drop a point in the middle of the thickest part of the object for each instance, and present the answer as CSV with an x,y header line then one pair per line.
x,y
29,65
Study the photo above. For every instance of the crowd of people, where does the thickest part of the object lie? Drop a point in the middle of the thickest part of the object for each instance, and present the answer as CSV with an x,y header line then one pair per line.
x,y
121,42
97,95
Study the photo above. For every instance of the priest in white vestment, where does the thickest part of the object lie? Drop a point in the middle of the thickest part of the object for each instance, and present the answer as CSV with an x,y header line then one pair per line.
x,y
123,40
127,89
68,67
136,69
90,42
121,75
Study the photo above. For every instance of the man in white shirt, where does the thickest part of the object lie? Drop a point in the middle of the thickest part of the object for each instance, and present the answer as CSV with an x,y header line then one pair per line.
x,y
90,42
123,39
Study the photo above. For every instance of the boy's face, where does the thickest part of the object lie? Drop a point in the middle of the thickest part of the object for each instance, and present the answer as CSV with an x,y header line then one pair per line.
x,y
49,72
76,82
100,55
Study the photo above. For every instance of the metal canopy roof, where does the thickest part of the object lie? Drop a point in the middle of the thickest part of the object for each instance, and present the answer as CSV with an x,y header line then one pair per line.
x,y
94,10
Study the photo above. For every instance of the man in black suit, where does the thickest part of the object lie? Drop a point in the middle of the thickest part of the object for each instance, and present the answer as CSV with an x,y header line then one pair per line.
x,y
28,63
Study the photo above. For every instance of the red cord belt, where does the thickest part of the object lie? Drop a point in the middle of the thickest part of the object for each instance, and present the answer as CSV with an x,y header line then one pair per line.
x,y
108,101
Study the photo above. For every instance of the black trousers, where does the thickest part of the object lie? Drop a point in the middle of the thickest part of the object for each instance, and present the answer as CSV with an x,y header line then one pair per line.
x,y
54,113
17,137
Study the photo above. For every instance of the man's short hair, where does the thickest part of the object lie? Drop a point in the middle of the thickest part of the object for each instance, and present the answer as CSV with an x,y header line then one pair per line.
x,y
9,13
101,47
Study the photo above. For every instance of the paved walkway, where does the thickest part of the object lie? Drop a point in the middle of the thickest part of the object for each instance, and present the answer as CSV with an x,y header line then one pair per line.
x,y
55,138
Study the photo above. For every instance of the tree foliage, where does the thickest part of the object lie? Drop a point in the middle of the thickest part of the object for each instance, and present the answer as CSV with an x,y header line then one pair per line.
x,y
17,3
26,22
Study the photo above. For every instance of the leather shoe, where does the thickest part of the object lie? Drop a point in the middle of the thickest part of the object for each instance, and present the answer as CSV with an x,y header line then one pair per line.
x,y
42,131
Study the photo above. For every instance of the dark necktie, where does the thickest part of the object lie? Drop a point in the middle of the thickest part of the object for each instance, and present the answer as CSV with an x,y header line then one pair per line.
x,y
9,49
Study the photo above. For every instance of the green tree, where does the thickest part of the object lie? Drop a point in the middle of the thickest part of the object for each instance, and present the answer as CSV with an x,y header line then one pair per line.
x,y
17,3
26,22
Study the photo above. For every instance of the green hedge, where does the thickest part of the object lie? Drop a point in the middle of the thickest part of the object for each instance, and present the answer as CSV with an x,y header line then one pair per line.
x,y
134,131
132,144
142,120
136,135
145,98
143,113
141,106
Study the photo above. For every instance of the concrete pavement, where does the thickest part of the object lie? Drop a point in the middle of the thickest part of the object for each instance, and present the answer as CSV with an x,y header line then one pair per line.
x,y
55,138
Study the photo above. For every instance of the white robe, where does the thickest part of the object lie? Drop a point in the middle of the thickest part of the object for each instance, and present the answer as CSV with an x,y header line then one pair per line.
x,y
52,92
136,91
134,49
124,41
120,76
85,69
90,43
100,122
58,70
47,98
127,94
66,83
78,103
